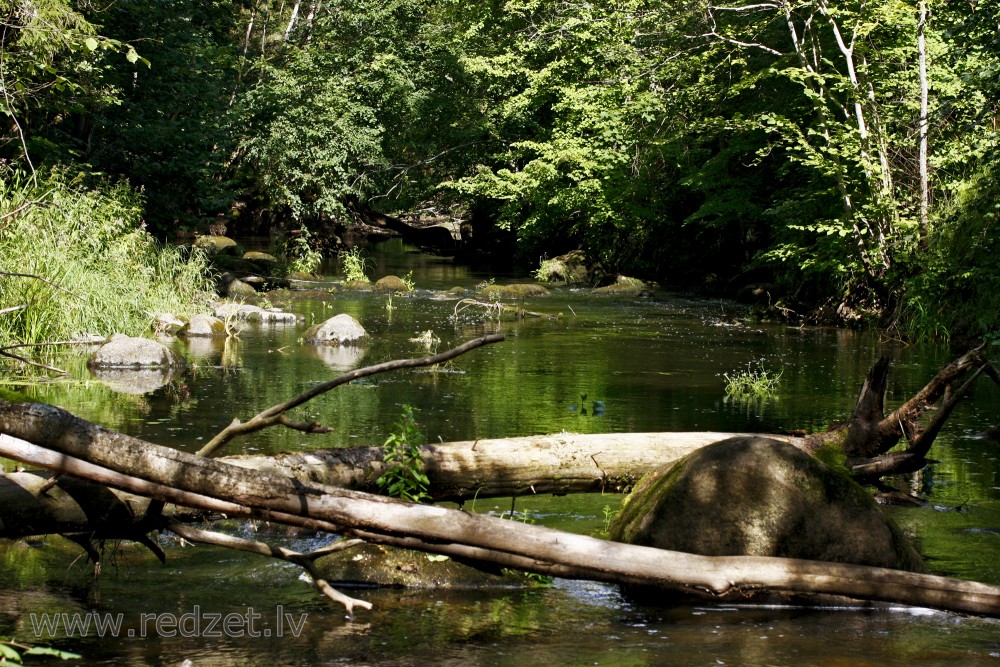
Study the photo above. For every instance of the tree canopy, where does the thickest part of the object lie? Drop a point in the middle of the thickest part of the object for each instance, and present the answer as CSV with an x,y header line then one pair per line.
x,y
845,155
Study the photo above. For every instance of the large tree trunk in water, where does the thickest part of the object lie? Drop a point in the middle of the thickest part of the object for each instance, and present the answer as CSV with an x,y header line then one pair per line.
x,y
67,444
31,504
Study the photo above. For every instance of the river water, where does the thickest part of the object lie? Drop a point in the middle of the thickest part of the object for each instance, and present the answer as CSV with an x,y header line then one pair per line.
x,y
651,363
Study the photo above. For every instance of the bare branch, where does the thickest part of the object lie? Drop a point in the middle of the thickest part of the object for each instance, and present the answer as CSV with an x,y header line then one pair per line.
x,y
306,561
37,277
23,360
273,415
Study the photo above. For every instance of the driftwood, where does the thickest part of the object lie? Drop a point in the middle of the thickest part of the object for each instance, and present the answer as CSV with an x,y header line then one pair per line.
x,y
51,438
63,445
869,434
36,503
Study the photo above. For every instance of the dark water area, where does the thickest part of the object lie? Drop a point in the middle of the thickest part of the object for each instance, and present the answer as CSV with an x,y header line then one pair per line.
x,y
655,363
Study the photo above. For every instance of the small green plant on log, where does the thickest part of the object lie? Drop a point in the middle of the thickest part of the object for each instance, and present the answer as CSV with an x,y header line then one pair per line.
x,y
405,479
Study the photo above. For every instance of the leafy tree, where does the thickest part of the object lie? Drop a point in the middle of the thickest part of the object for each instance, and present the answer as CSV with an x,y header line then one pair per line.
x,y
171,135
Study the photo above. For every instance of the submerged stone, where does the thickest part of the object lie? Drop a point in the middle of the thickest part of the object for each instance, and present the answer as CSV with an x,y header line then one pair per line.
x,y
512,291
375,565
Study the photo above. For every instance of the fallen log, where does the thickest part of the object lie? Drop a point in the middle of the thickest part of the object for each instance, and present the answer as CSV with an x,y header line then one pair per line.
x,y
50,437
36,504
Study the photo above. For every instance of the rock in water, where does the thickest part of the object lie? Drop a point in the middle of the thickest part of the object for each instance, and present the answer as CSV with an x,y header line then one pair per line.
x,y
338,330
121,351
761,497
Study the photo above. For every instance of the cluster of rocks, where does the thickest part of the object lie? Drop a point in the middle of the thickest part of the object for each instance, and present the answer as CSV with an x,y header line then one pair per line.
x,y
141,365
574,270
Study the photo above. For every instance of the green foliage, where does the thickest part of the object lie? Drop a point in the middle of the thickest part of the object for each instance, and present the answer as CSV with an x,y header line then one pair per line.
x,y
100,271
14,652
690,142
955,292
405,479
171,133
299,254
354,264
753,383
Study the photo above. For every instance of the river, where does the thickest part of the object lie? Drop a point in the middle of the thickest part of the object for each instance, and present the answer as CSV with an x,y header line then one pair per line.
x,y
651,363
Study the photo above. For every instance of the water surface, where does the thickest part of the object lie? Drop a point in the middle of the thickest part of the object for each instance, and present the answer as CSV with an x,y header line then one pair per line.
x,y
654,363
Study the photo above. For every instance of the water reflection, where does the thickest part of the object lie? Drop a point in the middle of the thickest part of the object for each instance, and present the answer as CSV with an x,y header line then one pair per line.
x,y
339,357
134,380
655,364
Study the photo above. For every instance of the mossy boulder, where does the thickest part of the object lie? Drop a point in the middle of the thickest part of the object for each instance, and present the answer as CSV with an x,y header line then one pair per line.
x,y
227,284
215,244
338,330
357,286
391,284
262,258
623,286
512,291
569,269
755,496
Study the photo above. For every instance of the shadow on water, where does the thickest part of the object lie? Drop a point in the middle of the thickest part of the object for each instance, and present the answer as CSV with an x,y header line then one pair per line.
x,y
605,365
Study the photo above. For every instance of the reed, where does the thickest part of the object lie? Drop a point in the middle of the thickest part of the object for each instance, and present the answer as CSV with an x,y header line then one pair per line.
x,y
98,270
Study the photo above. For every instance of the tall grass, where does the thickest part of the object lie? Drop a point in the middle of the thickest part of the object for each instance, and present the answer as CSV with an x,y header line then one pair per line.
x,y
103,273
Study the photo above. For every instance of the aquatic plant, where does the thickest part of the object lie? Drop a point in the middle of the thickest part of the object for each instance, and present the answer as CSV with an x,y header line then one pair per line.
x,y
300,255
752,383
353,263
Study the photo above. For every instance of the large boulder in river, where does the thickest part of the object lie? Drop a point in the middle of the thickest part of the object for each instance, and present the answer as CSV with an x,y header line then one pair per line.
x,y
126,352
569,269
760,497
338,330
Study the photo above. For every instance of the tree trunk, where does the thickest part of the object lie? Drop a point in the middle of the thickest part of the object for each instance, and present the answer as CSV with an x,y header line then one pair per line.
x,y
33,504
286,490
869,434
65,443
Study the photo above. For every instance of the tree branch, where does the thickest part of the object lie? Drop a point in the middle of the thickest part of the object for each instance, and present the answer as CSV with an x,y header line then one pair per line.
x,y
305,561
274,414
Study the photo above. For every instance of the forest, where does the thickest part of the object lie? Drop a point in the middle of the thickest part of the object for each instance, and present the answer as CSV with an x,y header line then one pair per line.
x,y
843,156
